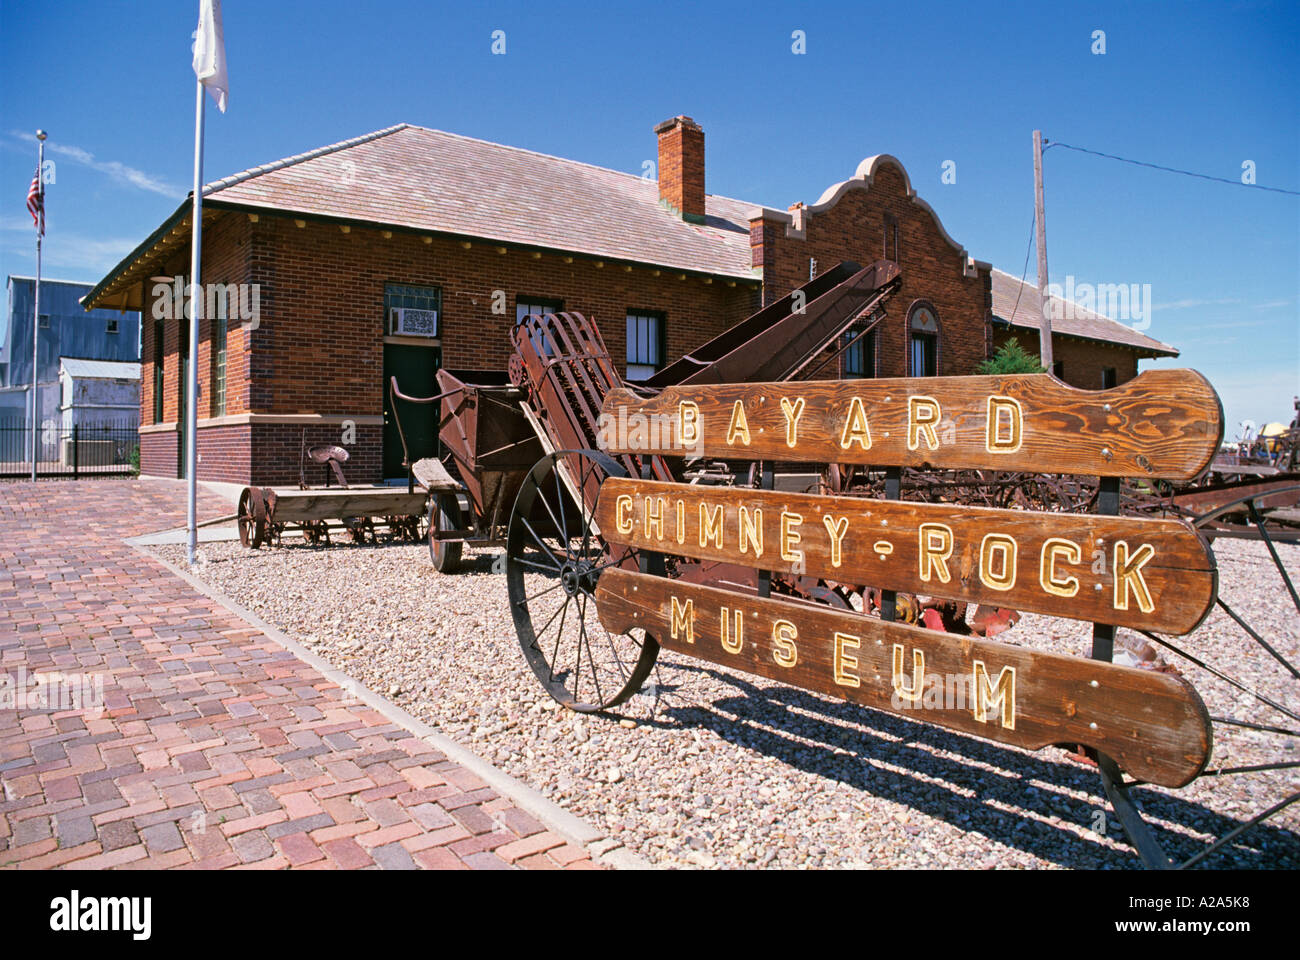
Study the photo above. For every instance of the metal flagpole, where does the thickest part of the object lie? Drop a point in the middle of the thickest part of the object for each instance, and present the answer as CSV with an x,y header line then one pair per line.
x,y
36,309
196,306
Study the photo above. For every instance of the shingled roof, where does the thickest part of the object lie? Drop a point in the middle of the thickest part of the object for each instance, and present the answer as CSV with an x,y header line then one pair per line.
x,y
408,176
415,178
1010,295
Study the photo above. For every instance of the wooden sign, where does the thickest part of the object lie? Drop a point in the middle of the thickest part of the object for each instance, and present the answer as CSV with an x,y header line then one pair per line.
x,y
1127,571
1163,424
1152,724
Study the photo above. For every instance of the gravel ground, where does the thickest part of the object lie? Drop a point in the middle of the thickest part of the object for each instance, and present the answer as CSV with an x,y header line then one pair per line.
x,y
711,767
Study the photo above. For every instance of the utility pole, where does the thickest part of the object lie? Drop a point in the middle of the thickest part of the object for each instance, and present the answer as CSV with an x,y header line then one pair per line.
x,y
1040,221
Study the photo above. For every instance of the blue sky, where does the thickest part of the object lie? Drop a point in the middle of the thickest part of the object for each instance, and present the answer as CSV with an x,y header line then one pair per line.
x,y
1202,87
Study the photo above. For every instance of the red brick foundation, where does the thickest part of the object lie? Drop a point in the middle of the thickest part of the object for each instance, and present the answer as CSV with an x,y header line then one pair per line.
x,y
160,454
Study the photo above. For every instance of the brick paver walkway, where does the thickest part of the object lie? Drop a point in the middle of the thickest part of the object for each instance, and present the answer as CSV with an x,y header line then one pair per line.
x,y
216,747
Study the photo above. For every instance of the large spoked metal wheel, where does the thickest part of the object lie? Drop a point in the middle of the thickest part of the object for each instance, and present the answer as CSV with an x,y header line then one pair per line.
x,y
444,515
1256,717
554,558
251,518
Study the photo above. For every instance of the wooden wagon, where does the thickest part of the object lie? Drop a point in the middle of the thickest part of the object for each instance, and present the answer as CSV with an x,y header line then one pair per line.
x,y
491,445
265,513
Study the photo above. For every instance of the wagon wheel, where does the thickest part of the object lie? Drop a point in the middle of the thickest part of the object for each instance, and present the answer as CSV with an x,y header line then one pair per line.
x,y
444,514
251,518
1269,711
554,556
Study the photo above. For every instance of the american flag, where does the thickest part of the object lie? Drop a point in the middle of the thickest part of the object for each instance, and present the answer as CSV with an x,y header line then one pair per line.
x,y
36,203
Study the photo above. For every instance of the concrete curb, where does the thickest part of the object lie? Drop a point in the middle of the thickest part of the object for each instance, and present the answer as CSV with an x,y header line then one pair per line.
x,y
603,850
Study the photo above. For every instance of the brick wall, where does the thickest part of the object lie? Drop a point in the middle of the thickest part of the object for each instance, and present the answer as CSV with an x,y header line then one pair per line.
x,y
159,454
855,228
224,453
1082,360
275,449
681,167
318,347
225,260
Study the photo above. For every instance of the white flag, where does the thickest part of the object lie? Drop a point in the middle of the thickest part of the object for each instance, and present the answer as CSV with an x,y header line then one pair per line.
x,y
210,52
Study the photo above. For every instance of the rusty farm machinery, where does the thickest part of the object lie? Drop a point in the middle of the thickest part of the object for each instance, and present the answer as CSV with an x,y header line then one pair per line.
x,y
833,534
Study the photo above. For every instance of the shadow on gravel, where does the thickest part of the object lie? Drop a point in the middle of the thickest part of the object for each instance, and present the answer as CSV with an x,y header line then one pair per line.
x,y
1003,804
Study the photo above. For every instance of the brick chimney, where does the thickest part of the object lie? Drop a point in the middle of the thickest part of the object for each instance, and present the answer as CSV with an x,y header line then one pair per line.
x,y
681,167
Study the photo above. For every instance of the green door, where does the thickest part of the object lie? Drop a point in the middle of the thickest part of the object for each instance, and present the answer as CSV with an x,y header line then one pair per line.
x,y
415,368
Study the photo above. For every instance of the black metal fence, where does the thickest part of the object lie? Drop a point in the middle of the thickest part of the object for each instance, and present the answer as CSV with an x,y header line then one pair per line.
x,y
100,450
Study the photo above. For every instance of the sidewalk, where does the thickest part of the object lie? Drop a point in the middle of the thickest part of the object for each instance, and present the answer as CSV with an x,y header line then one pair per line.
x,y
218,746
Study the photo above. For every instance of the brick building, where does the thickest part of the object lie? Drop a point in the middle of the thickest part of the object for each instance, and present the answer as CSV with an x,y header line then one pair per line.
x,y
408,249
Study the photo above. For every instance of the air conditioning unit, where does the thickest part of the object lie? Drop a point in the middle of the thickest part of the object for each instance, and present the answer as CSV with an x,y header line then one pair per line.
x,y
410,322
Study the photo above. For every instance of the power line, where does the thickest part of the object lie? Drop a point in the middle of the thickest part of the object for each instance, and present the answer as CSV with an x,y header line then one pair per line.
x,y
1156,166
1025,272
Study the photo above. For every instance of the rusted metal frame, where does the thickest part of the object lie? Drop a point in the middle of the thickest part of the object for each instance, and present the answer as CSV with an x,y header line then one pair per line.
x,y
1267,701
588,392
1277,561
1263,727
679,371
560,419
582,430
870,310
394,390
807,332
1237,831
751,350
599,358
871,306
893,491
649,561
1112,779
1251,768
767,482
396,394
563,375
1277,487
1257,638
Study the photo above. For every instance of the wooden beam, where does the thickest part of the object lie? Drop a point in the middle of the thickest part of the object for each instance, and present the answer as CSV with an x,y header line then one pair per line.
x,y
1138,572
1152,724
1163,424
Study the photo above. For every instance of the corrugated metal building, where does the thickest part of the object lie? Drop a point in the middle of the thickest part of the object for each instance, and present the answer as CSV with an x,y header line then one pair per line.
x,y
67,330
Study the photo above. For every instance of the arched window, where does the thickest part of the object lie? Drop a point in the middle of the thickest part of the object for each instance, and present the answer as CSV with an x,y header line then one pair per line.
x,y
923,341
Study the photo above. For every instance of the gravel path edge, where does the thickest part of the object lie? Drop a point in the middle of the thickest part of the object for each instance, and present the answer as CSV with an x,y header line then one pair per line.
x,y
603,849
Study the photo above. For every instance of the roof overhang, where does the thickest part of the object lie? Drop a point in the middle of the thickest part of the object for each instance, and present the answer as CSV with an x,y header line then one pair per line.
x,y
123,287
1150,352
